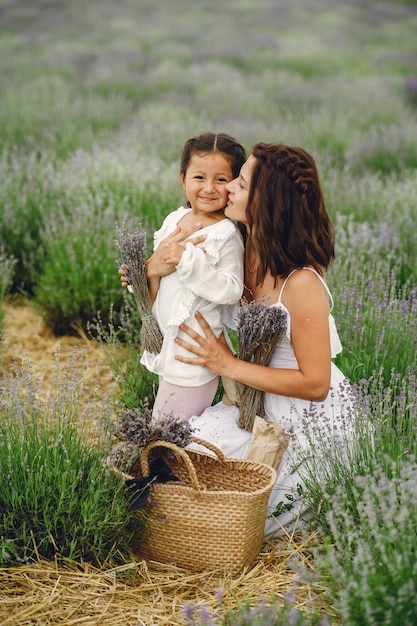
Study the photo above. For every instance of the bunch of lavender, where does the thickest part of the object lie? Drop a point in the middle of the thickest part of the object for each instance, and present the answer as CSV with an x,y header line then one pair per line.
x,y
133,251
260,329
137,429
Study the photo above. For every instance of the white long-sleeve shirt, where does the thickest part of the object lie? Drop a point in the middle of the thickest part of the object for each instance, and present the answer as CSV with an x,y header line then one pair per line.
x,y
204,281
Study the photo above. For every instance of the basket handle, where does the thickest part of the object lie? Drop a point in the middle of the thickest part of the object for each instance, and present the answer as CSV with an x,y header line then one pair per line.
x,y
144,460
212,447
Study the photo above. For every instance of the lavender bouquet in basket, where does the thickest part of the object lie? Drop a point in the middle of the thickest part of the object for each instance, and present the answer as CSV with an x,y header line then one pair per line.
x,y
260,329
137,429
133,251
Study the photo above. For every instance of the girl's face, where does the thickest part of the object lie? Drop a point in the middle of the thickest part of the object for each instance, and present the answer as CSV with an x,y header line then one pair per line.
x,y
205,182
239,193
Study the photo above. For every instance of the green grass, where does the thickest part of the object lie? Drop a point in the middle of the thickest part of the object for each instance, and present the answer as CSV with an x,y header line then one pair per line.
x,y
57,497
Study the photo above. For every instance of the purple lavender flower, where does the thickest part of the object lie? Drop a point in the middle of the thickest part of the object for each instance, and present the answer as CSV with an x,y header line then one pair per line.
x,y
133,250
138,427
260,329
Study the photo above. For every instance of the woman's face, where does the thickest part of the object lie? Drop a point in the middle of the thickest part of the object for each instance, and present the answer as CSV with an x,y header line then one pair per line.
x,y
239,193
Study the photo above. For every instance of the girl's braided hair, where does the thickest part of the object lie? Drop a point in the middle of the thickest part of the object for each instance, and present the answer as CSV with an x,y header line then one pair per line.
x,y
288,223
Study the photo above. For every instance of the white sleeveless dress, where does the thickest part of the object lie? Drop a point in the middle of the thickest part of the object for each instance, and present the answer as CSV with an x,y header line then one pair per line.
x,y
304,420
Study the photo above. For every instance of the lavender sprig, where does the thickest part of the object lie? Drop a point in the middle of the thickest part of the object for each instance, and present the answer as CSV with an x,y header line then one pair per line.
x,y
260,329
137,428
133,250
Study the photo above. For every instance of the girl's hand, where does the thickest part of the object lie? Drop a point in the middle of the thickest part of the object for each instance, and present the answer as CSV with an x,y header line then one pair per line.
x,y
124,271
169,252
210,352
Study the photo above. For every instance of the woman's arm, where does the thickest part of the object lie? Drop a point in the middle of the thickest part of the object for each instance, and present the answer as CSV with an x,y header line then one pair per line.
x,y
307,302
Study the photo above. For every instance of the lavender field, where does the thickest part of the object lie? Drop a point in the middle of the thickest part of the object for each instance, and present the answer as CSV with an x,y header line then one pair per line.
x,y
97,99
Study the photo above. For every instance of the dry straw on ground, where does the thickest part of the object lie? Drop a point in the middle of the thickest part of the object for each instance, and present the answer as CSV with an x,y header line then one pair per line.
x,y
28,338
137,593
48,593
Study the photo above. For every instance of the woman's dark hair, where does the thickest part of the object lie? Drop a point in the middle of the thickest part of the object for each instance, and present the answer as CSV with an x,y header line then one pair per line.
x,y
288,223
233,151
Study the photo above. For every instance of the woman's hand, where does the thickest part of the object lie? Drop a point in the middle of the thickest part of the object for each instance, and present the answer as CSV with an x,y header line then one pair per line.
x,y
169,252
210,352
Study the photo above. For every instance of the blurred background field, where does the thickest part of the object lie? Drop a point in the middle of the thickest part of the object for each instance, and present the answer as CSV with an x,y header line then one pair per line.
x,y
97,98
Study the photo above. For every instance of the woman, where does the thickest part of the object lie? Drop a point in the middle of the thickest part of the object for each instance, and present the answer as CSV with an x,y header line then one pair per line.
x,y
289,243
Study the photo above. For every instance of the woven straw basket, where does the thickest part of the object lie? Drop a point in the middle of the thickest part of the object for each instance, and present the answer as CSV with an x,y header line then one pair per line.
x,y
213,518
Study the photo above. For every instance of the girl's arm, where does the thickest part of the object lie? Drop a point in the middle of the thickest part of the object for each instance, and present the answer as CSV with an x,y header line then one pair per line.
x,y
167,255
160,263
307,301
218,280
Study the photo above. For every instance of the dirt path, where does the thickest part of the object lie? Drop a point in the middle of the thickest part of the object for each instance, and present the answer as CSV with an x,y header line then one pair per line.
x,y
28,338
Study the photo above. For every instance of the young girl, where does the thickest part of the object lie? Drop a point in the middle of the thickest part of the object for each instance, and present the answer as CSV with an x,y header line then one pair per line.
x,y
202,274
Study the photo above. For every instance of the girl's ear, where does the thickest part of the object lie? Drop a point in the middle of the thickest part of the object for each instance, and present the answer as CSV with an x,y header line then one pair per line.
x,y
182,180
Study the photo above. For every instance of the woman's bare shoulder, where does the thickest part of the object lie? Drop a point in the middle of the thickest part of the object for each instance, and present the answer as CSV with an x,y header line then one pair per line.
x,y
304,285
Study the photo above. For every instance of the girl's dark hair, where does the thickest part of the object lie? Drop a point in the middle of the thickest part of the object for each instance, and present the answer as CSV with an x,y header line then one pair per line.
x,y
211,142
288,223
